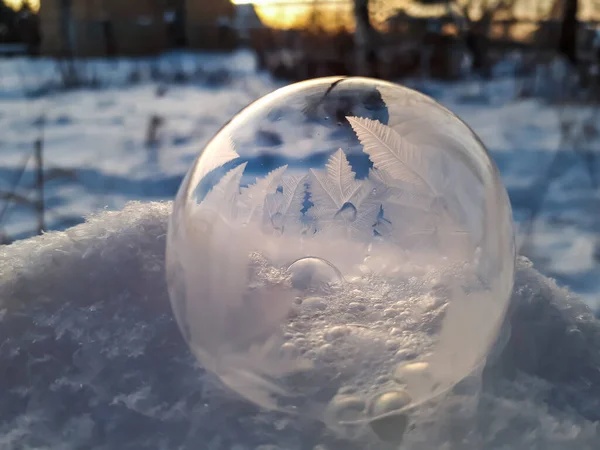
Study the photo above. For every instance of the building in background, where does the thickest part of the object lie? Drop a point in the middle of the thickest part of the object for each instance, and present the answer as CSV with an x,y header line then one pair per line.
x,y
89,28
209,24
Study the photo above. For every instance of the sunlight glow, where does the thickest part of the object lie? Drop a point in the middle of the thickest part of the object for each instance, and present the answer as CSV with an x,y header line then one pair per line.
x,y
332,15
16,4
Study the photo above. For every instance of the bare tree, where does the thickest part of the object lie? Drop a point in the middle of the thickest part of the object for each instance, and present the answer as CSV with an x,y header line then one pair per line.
x,y
567,44
476,30
66,28
364,41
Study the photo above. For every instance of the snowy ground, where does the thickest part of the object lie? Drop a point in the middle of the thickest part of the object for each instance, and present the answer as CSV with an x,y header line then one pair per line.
x,y
92,358
96,154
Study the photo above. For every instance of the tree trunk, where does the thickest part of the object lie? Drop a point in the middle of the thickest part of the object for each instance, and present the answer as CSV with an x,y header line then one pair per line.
x,y
365,53
567,44
477,42
65,28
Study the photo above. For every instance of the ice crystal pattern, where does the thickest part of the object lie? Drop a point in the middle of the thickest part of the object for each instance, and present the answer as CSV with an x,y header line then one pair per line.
x,y
405,186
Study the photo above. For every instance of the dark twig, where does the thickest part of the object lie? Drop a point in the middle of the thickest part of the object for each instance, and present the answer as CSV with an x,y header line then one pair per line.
x,y
39,160
12,195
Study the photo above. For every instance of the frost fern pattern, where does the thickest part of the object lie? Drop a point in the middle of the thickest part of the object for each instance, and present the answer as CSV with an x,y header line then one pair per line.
x,y
402,197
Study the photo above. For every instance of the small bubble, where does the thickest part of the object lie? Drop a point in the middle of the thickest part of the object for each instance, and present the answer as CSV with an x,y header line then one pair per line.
x,y
333,333
382,379
389,323
404,355
346,390
327,352
356,307
388,423
364,269
313,274
390,312
347,408
389,402
431,303
300,342
357,280
412,370
314,303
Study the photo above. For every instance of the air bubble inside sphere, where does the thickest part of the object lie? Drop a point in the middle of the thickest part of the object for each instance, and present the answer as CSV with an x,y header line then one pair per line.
x,y
343,248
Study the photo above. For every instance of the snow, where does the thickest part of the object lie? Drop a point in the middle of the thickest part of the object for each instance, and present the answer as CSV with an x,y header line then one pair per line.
x,y
96,154
91,357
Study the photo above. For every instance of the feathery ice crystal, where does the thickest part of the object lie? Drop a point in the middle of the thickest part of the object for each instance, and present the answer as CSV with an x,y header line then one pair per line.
x,y
342,248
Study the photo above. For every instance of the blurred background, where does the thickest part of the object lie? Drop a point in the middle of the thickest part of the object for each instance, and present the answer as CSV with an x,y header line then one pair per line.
x,y
107,101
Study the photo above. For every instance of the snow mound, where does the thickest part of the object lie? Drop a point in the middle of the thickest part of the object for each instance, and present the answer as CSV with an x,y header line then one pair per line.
x,y
91,357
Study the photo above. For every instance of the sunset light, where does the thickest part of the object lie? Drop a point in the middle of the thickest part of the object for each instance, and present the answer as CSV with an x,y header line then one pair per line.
x,y
338,14
333,15
16,4
296,14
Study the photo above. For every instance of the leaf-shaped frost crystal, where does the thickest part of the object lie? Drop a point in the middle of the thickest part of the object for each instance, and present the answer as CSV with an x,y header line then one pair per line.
x,y
225,154
340,183
295,269
394,155
253,197
399,193
338,197
224,196
284,209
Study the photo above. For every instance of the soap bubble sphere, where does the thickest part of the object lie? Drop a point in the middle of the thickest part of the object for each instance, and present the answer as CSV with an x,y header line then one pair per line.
x,y
342,249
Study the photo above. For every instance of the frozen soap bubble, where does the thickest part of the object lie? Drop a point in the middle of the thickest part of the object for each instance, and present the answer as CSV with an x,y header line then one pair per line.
x,y
343,249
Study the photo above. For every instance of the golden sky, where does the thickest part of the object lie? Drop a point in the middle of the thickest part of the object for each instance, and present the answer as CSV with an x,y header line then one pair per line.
x,y
16,4
332,14
338,13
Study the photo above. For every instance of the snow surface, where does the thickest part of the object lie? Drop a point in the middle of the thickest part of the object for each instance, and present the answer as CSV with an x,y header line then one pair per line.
x,y
96,155
91,357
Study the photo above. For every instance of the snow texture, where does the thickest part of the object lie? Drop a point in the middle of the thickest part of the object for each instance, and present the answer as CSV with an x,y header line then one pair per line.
x,y
91,357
